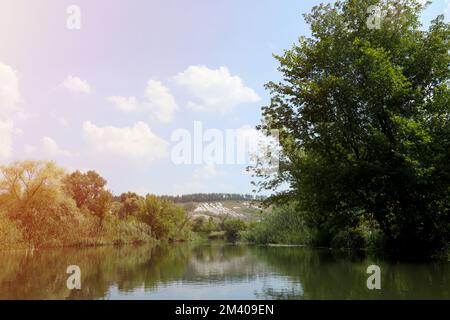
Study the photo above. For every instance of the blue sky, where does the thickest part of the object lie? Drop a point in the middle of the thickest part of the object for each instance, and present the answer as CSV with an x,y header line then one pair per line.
x,y
109,95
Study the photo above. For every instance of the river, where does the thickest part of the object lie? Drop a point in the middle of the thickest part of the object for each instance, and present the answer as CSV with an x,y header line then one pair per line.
x,y
215,270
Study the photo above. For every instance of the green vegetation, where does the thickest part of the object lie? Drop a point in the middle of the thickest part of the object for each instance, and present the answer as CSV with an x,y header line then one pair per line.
x,y
363,118
233,228
42,206
227,228
167,220
283,226
203,225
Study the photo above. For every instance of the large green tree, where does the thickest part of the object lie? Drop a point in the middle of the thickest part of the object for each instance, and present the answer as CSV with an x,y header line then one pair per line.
x,y
165,219
363,117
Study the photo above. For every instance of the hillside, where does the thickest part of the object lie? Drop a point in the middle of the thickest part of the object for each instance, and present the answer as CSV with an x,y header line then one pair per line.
x,y
240,209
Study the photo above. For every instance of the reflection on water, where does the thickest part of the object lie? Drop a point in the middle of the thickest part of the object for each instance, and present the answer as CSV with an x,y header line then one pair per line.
x,y
214,271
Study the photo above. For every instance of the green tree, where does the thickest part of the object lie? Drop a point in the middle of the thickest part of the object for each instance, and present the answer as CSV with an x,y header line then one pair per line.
x,y
363,118
198,223
233,227
201,224
165,219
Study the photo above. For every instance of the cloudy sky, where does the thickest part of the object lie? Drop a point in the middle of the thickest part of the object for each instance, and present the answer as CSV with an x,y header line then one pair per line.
x,y
109,95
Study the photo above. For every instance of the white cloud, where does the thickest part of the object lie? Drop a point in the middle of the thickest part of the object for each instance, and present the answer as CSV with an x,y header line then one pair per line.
x,y
158,101
6,134
137,142
48,148
51,149
9,99
214,89
9,90
127,104
76,85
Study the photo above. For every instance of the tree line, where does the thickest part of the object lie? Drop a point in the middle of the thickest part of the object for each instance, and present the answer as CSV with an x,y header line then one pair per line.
x,y
210,197
41,205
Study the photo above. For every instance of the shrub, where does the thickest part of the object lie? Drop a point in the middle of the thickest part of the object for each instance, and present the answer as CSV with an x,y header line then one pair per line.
x,y
10,233
348,238
233,227
283,225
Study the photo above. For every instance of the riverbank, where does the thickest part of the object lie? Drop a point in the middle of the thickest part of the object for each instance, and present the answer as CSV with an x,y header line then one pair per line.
x,y
112,231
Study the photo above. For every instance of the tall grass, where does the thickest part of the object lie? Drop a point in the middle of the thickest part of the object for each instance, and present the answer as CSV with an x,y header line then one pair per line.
x,y
284,225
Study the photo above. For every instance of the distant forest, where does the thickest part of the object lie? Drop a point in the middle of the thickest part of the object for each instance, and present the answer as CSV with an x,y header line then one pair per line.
x,y
205,197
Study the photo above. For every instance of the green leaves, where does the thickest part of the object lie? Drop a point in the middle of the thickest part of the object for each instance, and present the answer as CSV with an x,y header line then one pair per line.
x,y
165,219
363,116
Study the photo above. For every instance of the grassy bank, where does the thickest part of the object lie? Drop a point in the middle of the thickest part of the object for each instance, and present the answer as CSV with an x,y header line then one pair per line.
x,y
281,226
285,226
85,233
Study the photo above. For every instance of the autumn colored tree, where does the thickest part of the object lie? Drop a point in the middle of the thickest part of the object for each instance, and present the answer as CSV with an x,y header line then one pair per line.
x,y
129,204
31,193
89,192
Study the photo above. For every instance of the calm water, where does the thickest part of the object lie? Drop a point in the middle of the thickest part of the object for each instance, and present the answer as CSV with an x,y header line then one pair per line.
x,y
214,271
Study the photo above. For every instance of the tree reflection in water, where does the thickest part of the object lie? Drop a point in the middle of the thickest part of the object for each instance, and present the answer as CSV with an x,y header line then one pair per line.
x,y
215,271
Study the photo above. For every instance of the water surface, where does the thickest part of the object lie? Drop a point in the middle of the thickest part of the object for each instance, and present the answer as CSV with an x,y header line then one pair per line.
x,y
215,271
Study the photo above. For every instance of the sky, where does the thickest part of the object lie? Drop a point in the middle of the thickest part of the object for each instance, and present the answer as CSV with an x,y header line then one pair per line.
x,y
106,85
